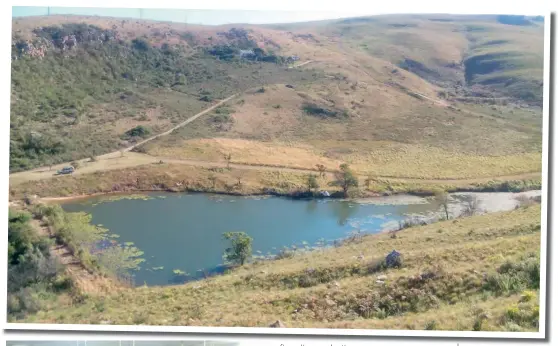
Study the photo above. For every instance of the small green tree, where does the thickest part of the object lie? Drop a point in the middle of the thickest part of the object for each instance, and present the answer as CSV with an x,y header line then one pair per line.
x,y
312,182
241,247
345,178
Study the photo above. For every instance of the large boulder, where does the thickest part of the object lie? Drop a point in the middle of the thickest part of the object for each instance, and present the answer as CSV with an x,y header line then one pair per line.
x,y
393,260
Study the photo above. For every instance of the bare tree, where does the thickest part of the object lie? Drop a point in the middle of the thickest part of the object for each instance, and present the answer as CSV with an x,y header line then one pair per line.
x,y
239,174
228,158
442,198
471,206
321,169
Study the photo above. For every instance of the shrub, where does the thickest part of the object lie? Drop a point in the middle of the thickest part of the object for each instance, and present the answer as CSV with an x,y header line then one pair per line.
x,y
514,277
138,131
312,182
140,44
221,118
313,109
527,296
285,253
431,325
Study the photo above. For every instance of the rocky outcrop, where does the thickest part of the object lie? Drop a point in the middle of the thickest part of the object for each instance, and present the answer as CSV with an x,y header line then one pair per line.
x,y
64,38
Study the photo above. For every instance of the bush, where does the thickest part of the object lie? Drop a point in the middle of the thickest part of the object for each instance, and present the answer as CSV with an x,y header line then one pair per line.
x,y
140,44
514,277
32,272
313,109
138,131
431,325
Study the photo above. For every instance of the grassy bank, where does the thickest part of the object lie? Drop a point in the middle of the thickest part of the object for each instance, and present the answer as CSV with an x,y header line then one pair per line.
x,y
179,178
476,273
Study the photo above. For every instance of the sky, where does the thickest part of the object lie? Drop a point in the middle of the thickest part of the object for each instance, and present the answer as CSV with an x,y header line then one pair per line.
x,y
306,10
207,17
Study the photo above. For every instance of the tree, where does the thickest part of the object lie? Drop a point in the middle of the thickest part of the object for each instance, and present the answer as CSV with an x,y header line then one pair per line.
x,y
321,169
345,178
241,247
312,182
442,199
228,158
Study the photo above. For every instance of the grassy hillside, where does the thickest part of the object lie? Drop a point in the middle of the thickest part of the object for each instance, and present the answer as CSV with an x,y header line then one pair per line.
x,y
79,100
477,273
452,83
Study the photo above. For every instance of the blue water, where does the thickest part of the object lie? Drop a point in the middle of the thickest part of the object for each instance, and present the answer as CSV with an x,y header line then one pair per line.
x,y
184,231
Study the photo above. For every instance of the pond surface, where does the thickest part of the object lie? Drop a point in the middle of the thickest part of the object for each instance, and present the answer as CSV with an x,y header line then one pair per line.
x,y
184,231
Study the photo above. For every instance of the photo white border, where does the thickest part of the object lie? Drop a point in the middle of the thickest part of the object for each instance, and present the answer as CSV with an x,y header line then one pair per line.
x,y
210,4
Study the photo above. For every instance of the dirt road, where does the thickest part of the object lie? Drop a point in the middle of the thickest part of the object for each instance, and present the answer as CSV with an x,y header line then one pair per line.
x,y
187,121
132,159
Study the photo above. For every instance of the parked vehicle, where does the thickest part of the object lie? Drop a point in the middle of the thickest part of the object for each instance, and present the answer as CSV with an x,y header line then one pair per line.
x,y
66,170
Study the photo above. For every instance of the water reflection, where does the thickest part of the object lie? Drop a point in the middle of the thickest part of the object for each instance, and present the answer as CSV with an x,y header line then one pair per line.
x,y
343,211
312,206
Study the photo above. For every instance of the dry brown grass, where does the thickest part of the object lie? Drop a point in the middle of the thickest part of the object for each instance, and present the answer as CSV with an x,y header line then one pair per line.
x,y
381,159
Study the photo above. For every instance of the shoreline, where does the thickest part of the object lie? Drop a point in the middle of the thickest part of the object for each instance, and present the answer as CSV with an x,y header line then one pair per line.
x,y
298,195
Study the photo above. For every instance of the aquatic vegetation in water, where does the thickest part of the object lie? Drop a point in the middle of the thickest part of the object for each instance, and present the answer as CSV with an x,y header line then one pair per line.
x,y
179,276
107,199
